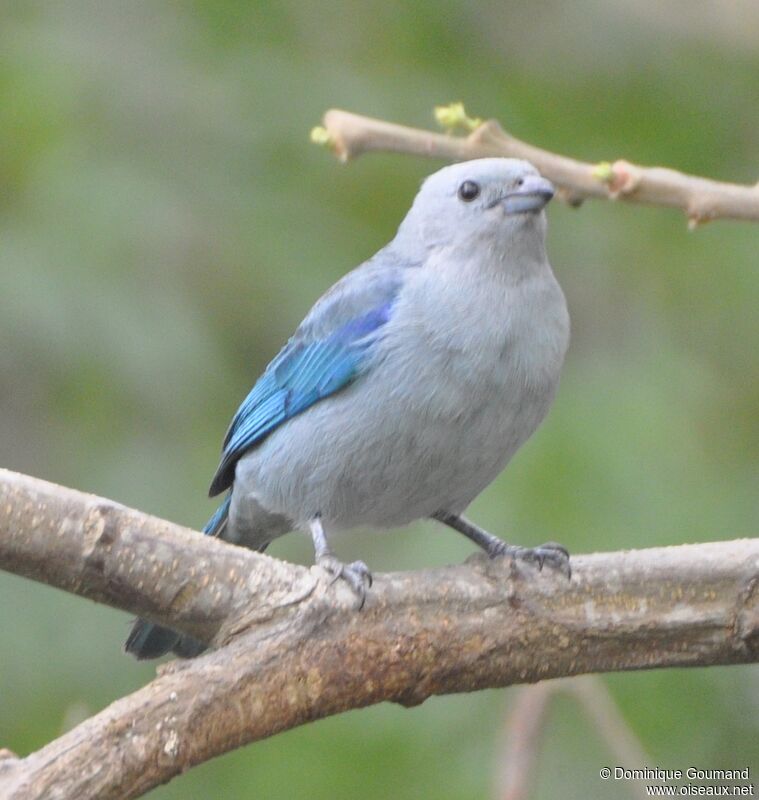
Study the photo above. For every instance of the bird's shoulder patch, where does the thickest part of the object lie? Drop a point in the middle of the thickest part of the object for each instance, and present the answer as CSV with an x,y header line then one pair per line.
x,y
308,369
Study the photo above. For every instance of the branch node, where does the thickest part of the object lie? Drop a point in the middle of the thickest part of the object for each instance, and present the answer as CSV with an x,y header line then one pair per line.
x,y
694,220
569,196
411,698
344,136
747,619
625,179
489,135
98,528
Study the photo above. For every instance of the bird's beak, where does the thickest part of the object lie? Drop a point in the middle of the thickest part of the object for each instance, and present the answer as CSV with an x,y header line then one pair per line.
x,y
533,195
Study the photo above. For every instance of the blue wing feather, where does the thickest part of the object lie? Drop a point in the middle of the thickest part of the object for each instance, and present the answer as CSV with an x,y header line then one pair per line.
x,y
305,371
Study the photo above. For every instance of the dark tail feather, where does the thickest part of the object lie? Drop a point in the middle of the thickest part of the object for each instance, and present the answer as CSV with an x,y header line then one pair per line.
x,y
148,640
218,521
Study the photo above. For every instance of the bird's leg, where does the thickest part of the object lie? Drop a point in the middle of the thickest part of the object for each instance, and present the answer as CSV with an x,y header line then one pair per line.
x,y
356,574
550,553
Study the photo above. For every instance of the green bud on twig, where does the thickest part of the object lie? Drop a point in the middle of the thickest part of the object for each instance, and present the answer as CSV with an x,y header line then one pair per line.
x,y
454,116
603,171
320,136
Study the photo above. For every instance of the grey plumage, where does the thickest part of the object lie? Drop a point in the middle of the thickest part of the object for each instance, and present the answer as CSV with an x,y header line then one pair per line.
x,y
409,385
464,371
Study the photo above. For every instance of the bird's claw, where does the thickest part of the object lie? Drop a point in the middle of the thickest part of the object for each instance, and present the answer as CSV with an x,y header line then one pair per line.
x,y
550,554
356,574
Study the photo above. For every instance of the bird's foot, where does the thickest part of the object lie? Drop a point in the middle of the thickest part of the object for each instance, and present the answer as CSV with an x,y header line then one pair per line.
x,y
550,554
356,574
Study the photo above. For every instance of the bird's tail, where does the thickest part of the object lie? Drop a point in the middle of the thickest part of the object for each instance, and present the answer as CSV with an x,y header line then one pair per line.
x,y
148,640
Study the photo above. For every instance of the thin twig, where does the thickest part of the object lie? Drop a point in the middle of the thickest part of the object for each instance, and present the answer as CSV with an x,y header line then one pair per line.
x,y
527,720
701,199
523,734
600,707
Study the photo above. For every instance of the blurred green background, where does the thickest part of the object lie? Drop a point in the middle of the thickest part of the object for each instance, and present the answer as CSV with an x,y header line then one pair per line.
x,y
165,224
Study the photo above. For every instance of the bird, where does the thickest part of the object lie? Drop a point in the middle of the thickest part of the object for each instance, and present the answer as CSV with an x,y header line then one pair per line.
x,y
407,388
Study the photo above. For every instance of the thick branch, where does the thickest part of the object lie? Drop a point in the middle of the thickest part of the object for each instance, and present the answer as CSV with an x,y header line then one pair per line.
x,y
701,199
311,654
126,559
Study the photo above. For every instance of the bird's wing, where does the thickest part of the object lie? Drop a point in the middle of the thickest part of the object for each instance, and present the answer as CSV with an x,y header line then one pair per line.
x,y
327,353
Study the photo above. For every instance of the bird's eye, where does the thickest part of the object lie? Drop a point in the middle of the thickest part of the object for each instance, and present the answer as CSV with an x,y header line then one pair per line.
x,y
518,182
468,191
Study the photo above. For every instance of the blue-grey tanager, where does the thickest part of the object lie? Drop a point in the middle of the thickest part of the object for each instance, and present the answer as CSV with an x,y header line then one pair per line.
x,y
408,386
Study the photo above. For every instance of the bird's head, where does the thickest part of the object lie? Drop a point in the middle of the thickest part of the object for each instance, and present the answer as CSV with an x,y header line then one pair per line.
x,y
494,202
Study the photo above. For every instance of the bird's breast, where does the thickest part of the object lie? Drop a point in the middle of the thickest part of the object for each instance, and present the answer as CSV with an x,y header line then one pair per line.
x,y
486,347
457,383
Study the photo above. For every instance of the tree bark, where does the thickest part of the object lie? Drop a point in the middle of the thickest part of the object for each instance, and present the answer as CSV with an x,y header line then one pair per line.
x,y
291,647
